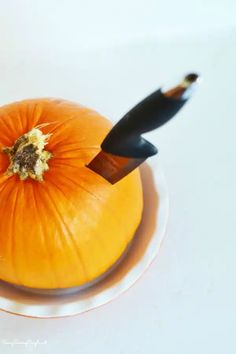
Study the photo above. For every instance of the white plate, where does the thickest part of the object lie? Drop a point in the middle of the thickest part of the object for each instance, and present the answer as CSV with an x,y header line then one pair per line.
x,y
141,253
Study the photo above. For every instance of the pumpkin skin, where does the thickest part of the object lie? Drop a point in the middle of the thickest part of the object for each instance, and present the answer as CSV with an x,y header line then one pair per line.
x,y
73,226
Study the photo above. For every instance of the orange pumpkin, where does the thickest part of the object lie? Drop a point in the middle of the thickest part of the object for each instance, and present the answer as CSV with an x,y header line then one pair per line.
x,y
62,225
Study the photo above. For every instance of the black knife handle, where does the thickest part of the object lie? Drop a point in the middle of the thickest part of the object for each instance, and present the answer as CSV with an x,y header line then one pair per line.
x,y
125,139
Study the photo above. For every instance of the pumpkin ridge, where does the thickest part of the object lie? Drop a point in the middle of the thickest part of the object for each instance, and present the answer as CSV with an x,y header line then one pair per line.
x,y
60,160
58,164
42,235
33,118
4,180
101,243
77,149
21,196
21,119
45,221
5,196
60,142
70,234
62,124
12,229
8,128
74,206
81,187
109,209
12,233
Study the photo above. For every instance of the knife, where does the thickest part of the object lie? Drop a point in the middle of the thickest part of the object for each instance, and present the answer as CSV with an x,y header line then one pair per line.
x,y
124,149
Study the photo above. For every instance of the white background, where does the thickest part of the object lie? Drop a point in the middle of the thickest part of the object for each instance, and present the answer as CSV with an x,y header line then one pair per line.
x,y
108,55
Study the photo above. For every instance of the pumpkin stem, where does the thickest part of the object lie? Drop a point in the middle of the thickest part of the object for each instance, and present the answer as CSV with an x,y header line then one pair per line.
x,y
27,156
